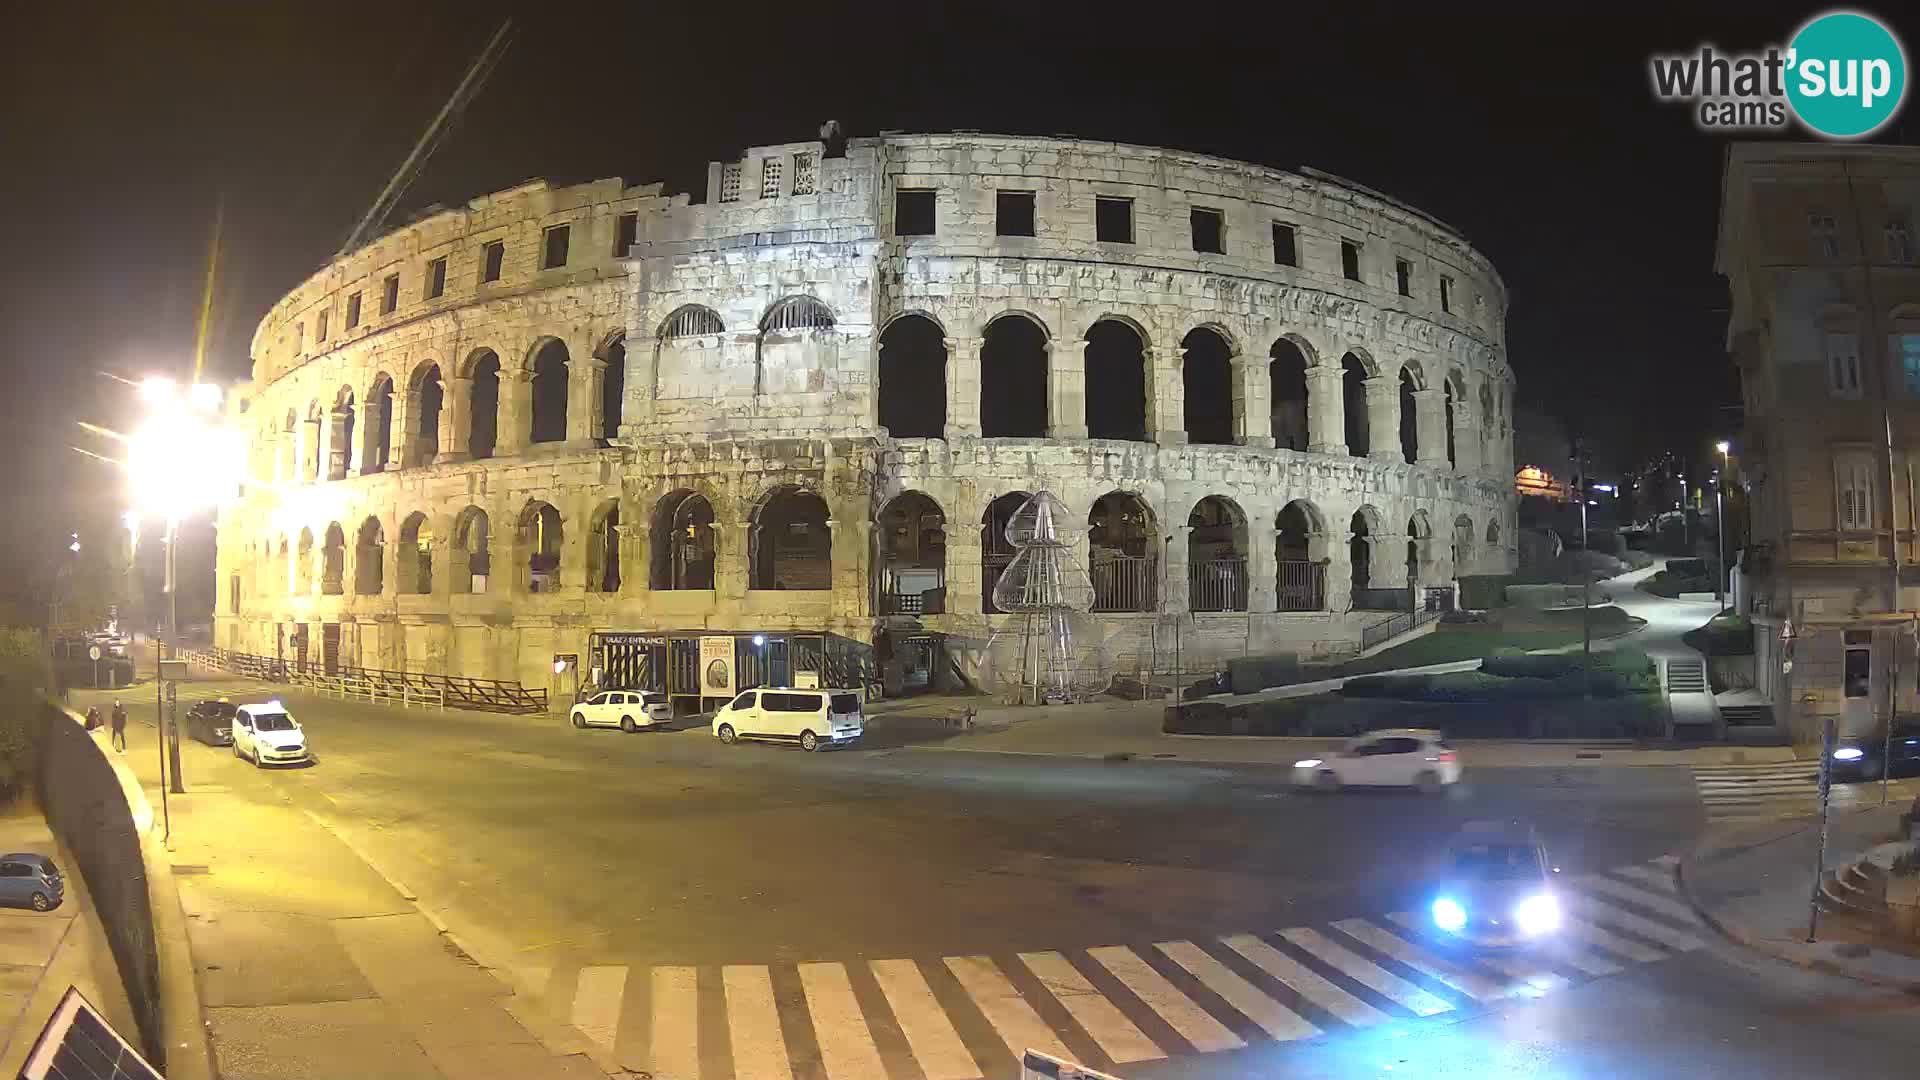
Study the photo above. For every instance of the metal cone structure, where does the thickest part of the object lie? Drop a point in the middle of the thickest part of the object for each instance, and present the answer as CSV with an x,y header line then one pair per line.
x,y
1051,652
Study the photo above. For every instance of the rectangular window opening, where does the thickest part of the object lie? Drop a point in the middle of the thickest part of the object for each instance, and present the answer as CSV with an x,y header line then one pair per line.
x,y
803,174
1285,253
627,233
1403,276
1446,294
1013,213
553,247
492,257
437,278
770,169
320,327
390,294
1843,364
1113,220
913,212
1209,228
730,182
1350,259
353,311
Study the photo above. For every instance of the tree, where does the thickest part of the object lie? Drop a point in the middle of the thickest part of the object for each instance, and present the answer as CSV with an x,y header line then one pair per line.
x,y
25,678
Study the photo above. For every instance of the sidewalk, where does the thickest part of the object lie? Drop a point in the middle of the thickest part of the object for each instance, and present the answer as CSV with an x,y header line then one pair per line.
x,y
311,964
42,953
1755,883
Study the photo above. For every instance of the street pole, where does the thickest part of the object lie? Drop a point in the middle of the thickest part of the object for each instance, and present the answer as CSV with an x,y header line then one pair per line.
x,y
171,734
1586,581
1820,853
1720,543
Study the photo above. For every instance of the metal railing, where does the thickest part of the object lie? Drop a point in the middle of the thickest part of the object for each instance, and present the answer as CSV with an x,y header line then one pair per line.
x,y
1217,585
1388,629
376,684
1124,583
1300,586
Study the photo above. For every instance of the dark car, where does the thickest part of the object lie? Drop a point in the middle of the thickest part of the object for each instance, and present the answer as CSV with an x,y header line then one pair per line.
x,y
1496,886
1865,757
211,722
30,881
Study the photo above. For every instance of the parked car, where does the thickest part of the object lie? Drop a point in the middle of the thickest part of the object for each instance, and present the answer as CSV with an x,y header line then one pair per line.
x,y
1391,757
1496,886
628,710
1862,754
31,881
211,722
269,735
812,718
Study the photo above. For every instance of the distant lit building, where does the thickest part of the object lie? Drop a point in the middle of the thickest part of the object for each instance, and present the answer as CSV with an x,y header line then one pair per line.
x,y
1536,481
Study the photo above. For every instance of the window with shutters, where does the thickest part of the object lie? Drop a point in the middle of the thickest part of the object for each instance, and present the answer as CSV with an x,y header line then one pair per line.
x,y
1843,363
1854,484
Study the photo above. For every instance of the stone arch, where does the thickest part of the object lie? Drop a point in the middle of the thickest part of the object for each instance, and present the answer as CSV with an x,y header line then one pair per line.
x,y
912,393
603,548
1463,540
1419,546
429,397
791,543
683,541
1355,370
547,414
1217,555
377,454
340,436
613,384
1363,531
1493,534
996,551
1014,377
910,535
1116,379
369,554
414,568
691,320
1206,376
787,350
1123,553
472,556
303,568
1288,396
1300,551
333,560
794,314
1410,411
483,416
541,535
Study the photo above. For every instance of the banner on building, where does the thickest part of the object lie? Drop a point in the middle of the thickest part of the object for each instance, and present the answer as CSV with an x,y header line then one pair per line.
x,y
716,667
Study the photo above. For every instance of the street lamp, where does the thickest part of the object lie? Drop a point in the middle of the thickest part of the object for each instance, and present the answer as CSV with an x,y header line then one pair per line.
x,y
1720,528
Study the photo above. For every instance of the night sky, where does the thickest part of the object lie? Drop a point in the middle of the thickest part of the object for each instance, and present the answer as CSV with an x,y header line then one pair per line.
x,y
119,128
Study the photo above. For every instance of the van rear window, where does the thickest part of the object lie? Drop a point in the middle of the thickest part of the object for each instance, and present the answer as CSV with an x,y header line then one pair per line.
x,y
845,703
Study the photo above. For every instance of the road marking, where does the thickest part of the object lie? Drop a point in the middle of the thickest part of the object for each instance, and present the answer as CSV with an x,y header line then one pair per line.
x,y
676,1022
1367,973
1012,1018
1665,905
1274,1018
1193,1023
1604,912
596,1003
1474,986
846,1046
1117,1036
1305,981
759,1049
1533,979
1647,875
1614,943
930,1035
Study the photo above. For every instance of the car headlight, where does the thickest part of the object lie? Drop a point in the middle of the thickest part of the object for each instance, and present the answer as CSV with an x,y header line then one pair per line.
x,y
1538,914
1448,915
1308,763
1849,753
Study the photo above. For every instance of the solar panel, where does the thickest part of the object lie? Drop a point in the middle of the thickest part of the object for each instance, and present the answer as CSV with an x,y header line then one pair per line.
x,y
79,1044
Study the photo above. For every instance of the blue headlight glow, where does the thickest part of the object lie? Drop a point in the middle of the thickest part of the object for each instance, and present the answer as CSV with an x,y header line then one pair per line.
x,y
1849,753
1448,915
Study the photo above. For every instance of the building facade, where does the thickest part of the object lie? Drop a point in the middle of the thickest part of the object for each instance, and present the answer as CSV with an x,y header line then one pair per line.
x,y
560,419
1817,244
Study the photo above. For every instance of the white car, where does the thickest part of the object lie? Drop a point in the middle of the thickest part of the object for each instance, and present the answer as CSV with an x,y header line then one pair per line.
x,y
1392,757
269,735
628,710
812,718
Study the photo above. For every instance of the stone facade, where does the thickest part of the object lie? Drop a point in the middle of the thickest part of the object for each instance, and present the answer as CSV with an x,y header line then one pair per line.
x,y
792,359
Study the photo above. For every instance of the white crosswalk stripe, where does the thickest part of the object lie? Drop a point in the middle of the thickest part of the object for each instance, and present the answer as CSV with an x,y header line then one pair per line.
x,y
974,1025
1779,790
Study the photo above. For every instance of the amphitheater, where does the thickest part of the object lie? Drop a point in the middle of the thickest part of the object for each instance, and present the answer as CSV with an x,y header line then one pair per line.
x,y
607,436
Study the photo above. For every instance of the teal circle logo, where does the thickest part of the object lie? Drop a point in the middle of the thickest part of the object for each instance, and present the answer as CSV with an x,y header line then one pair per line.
x,y
1848,75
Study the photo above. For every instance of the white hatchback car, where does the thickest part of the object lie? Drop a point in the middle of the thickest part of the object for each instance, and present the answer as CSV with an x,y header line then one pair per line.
x,y
1391,757
269,735
628,710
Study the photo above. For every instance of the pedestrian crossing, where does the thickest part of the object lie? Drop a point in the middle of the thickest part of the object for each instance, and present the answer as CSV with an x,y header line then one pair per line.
x,y
1777,790
1113,1006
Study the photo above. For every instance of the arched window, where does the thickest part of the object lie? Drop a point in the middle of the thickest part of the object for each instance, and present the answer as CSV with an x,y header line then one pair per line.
x,y
541,537
1360,554
613,388
794,346
303,564
376,455
1123,553
340,440
1300,582
996,551
603,549
1216,556
913,379
310,443
1013,379
428,396
1353,397
369,553
415,565
1493,534
471,563
1409,416
484,418
682,542
692,321
1418,535
1489,425
792,543
333,561
548,421
913,555
1287,382
797,313
1206,374
1116,382
1462,545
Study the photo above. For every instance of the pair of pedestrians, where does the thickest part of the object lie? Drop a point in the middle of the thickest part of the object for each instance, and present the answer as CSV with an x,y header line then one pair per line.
x,y
118,722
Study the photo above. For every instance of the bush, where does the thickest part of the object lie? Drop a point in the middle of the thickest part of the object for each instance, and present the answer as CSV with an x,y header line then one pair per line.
x,y
25,676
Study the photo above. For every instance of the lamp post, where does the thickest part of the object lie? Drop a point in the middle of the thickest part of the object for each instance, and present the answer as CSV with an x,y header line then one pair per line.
x,y
1720,528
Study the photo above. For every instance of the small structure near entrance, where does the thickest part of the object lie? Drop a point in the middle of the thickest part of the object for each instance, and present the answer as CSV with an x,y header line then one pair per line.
x,y
1050,652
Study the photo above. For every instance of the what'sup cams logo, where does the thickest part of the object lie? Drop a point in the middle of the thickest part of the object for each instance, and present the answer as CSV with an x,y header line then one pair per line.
x,y
1843,76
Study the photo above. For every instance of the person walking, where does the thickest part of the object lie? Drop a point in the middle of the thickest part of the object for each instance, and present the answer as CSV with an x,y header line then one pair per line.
x,y
119,727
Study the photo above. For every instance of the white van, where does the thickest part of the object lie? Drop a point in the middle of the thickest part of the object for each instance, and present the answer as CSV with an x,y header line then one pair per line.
x,y
812,718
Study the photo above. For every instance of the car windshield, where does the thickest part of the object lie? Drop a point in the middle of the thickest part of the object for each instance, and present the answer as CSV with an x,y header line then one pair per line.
x,y
1495,860
273,721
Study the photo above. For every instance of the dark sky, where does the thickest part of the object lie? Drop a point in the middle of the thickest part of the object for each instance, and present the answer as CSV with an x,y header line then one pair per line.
x,y
119,126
